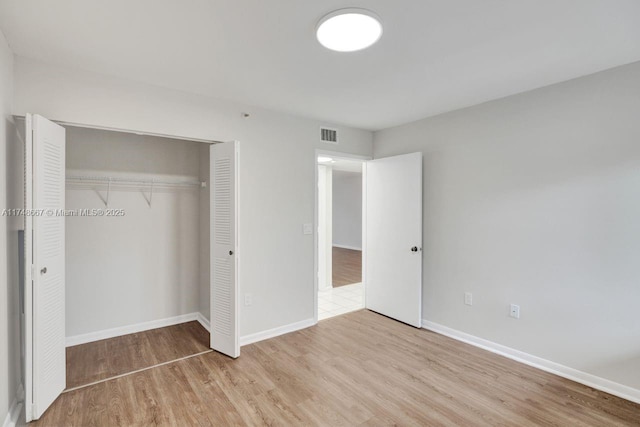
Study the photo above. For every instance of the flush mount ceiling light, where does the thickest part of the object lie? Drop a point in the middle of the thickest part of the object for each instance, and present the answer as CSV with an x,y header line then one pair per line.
x,y
349,30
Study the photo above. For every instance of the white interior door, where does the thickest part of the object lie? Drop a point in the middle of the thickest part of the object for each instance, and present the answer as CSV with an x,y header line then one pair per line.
x,y
45,278
393,243
224,237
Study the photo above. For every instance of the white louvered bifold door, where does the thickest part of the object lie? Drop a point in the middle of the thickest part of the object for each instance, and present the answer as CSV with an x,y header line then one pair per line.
x,y
223,238
48,272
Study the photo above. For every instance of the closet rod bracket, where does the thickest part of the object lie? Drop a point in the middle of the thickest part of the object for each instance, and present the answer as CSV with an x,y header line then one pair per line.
x,y
106,203
151,193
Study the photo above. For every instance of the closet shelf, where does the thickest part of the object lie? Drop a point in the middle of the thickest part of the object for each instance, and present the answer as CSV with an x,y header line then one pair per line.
x,y
133,182
129,183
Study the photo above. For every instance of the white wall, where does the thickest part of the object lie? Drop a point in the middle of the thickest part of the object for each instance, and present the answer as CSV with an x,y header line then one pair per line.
x,y
144,265
347,209
277,172
10,197
535,200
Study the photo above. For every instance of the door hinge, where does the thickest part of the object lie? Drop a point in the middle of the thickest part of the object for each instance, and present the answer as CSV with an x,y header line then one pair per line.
x,y
33,270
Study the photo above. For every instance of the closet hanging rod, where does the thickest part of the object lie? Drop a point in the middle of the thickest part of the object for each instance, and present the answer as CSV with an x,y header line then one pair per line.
x,y
106,180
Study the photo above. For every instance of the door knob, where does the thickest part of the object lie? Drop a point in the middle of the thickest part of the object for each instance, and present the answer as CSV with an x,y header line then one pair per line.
x,y
43,271
414,249
230,252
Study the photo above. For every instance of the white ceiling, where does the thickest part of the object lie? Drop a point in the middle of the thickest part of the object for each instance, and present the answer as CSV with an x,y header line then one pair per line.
x,y
434,55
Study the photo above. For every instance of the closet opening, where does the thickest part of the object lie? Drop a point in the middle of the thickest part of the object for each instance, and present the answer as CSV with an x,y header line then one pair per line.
x,y
137,257
129,258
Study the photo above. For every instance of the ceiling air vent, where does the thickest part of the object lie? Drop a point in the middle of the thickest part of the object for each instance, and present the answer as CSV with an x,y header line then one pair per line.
x,y
329,136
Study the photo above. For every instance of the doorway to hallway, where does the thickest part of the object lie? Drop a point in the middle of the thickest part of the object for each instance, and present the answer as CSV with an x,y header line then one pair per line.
x,y
340,286
390,238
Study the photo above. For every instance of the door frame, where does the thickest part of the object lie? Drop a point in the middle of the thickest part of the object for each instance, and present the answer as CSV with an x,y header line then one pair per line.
x,y
27,122
64,123
345,156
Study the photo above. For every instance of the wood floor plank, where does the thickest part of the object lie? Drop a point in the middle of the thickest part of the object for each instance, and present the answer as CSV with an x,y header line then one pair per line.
x,y
95,361
357,369
346,266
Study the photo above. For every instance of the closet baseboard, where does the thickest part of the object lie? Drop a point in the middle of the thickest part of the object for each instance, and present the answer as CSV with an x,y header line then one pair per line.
x,y
170,321
204,321
131,329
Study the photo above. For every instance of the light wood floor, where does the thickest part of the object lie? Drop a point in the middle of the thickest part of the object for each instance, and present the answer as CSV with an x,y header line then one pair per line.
x,y
356,369
87,363
347,266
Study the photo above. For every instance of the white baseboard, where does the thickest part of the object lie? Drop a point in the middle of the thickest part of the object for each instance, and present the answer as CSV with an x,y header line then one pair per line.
x,y
572,374
204,322
11,420
272,333
353,248
130,329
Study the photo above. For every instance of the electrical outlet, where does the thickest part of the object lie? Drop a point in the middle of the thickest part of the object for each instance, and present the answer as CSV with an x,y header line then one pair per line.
x,y
248,299
514,311
468,298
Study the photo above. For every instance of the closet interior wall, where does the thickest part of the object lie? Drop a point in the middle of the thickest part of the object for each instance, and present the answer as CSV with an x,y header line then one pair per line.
x,y
145,265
